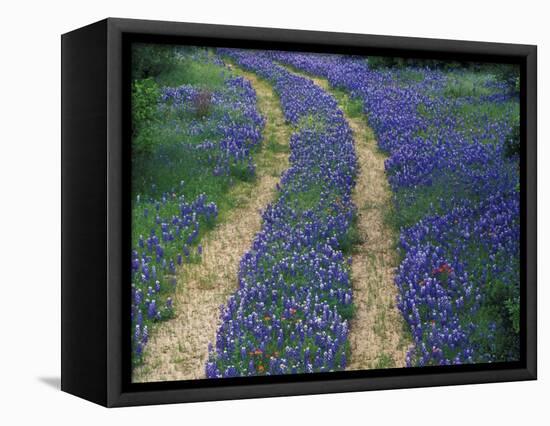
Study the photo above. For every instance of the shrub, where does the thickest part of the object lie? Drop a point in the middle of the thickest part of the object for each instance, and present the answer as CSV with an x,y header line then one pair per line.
x,y
145,95
376,62
465,85
385,62
513,308
508,74
512,143
202,102
151,60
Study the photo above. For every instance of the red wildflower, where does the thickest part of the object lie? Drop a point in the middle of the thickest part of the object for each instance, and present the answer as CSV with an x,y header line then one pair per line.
x,y
444,268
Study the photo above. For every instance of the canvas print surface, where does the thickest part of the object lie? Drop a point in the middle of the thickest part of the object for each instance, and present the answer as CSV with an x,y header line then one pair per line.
x,y
301,212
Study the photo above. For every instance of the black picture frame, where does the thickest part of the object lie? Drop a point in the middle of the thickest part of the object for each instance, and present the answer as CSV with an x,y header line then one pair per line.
x,y
95,205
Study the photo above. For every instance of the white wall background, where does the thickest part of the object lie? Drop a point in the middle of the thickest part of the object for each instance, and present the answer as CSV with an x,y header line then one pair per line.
x,y
30,211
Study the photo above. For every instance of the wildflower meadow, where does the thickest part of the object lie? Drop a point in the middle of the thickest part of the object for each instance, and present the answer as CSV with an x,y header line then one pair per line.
x,y
252,231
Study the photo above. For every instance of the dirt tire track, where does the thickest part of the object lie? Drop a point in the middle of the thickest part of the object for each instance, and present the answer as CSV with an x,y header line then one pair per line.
x,y
377,337
178,348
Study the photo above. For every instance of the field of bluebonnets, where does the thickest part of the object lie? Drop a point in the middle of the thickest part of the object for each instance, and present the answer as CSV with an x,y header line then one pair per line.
x,y
450,133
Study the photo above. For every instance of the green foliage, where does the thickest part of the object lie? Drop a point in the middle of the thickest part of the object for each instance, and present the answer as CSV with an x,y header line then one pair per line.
x,y
154,66
507,73
377,62
500,312
145,95
306,199
483,111
512,305
347,312
151,60
312,122
351,238
204,74
468,84
240,170
410,75
163,153
414,203
512,143
354,107
274,146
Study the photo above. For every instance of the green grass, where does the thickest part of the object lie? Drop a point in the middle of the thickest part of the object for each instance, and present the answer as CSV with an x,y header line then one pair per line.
x,y
306,199
478,114
274,146
313,122
351,238
411,75
468,83
414,203
197,73
353,107
501,305
172,166
475,114
384,361
172,159
347,312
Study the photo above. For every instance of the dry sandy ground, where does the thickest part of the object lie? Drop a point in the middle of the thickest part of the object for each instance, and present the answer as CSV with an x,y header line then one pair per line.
x,y
377,337
178,349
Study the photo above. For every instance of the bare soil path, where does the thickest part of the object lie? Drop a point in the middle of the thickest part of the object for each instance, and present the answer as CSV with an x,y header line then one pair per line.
x,y
377,334
178,349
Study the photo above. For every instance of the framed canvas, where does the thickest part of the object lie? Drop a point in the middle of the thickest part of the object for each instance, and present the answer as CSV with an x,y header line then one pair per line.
x,y
254,212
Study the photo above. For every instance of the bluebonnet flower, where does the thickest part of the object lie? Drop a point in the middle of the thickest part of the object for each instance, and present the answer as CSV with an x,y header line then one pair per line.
x,y
152,309
231,139
474,223
305,242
